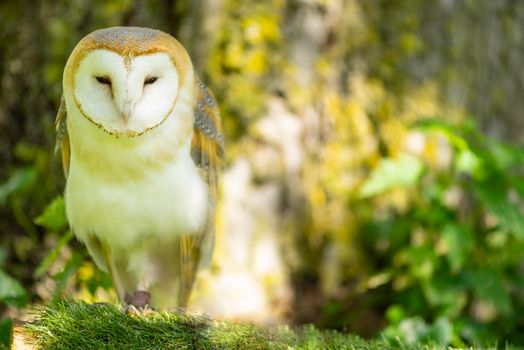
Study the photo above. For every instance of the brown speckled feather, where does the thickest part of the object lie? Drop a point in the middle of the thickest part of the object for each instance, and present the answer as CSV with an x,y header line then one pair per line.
x,y
62,138
207,151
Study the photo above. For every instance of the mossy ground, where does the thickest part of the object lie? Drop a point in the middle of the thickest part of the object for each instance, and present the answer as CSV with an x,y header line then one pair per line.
x,y
67,324
77,325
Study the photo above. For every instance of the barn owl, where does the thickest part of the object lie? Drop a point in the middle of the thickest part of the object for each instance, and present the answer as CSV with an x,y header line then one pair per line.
x,y
141,143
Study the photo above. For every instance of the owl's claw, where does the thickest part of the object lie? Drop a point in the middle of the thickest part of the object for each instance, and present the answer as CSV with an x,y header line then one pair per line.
x,y
131,310
138,303
141,299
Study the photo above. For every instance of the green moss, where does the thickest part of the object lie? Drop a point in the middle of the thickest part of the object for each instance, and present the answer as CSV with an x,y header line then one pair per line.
x,y
77,325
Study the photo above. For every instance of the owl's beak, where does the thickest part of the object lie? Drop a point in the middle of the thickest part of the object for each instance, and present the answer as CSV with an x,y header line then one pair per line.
x,y
126,110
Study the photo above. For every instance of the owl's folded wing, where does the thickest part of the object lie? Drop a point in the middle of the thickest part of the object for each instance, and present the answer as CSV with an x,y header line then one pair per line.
x,y
207,151
62,138
207,147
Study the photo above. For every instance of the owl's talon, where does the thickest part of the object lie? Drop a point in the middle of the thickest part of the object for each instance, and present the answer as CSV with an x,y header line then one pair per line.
x,y
138,304
128,299
131,310
141,299
148,311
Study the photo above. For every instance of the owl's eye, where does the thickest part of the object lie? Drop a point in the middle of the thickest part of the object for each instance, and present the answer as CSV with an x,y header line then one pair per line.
x,y
150,80
103,80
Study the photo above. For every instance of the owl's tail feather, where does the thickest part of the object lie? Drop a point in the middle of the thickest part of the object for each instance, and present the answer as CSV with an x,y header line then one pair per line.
x,y
189,260
117,271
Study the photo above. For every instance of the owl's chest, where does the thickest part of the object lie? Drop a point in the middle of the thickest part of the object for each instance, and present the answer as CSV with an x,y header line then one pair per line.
x,y
162,202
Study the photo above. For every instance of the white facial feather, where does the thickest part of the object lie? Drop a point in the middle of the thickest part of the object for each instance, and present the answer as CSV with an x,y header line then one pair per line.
x,y
127,103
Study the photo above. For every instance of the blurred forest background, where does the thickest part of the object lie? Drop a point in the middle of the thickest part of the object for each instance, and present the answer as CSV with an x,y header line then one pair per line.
x,y
374,174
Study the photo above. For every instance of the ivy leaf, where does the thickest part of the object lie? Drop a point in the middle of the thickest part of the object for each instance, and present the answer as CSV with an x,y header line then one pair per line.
x,y
54,216
506,156
441,331
11,291
489,287
52,255
62,277
448,294
495,197
21,178
6,331
392,173
469,162
444,128
459,243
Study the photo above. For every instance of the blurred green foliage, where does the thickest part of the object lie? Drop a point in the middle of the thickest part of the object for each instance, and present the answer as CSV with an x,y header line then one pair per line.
x,y
379,236
453,256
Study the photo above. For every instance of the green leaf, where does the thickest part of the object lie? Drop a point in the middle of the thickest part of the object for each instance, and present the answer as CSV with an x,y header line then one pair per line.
x,y
69,269
459,243
20,179
444,128
518,184
54,216
441,331
11,291
395,314
468,162
489,286
422,261
507,156
3,256
447,293
392,173
413,329
53,255
100,279
495,197
6,331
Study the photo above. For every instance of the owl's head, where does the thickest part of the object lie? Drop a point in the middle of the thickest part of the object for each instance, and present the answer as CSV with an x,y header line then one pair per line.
x,y
126,80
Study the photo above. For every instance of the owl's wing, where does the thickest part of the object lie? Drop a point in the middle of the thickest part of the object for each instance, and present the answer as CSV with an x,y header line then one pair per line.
x,y
62,138
62,142
207,151
207,148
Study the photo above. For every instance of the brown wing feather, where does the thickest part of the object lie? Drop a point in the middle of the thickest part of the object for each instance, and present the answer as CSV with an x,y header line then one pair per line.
x,y
62,138
207,151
